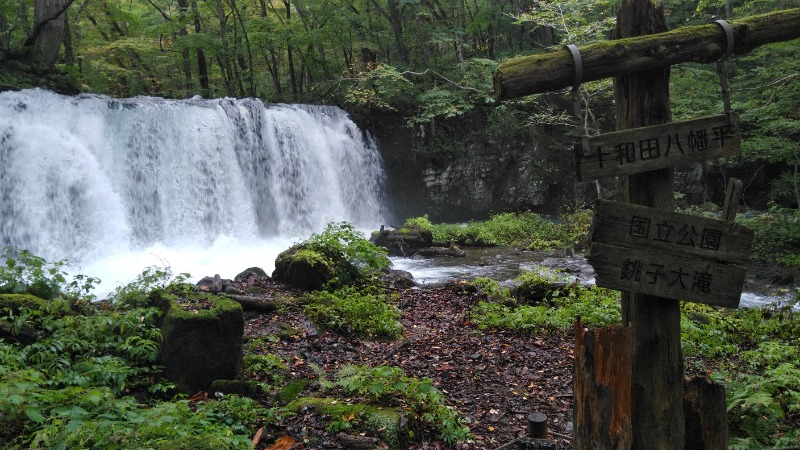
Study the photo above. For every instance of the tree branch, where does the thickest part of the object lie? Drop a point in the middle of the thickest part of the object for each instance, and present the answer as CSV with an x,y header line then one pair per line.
x,y
408,72
163,14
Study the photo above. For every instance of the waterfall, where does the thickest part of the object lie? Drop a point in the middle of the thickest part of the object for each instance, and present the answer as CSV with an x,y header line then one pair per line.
x,y
90,177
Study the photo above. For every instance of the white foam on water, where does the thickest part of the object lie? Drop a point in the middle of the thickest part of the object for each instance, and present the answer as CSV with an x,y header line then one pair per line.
x,y
202,186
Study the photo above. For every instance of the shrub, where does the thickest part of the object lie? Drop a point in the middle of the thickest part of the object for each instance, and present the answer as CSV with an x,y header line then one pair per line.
x,y
25,273
342,239
71,387
417,225
525,230
595,306
756,350
355,311
390,386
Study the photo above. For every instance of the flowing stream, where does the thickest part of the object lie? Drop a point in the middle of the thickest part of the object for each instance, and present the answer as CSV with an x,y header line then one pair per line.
x,y
202,186
504,265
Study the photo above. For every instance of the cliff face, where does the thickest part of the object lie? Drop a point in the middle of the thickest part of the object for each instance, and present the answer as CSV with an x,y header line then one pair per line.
x,y
470,168
465,169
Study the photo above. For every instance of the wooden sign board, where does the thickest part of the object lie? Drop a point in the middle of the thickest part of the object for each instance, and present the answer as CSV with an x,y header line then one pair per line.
x,y
666,254
656,230
658,147
667,276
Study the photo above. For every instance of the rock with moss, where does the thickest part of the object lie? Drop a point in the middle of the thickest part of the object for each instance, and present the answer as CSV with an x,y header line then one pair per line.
x,y
309,269
403,241
202,338
13,302
250,272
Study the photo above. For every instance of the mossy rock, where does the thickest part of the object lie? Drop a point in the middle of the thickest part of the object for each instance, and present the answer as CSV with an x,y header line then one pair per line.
x,y
256,272
13,302
195,442
202,338
310,270
292,390
388,424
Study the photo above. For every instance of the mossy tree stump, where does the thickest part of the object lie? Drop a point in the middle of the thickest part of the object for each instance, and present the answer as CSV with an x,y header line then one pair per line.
x,y
202,339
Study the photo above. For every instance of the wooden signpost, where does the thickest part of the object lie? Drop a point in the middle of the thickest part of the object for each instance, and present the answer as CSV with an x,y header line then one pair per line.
x,y
658,146
669,255
629,381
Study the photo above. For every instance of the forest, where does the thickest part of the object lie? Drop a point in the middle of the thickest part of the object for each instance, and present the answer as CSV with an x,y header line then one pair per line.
x,y
361,360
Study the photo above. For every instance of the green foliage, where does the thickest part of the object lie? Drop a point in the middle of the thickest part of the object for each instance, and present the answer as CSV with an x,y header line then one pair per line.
x,y
777,236
271,367
417,224
577,21
25,273
538,284
492,288
342,240
71,387
357,311
381,88
595,306
92,418
527,230
390,386
136,294
758,349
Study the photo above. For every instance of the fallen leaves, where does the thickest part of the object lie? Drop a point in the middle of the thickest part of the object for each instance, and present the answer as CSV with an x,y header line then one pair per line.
x,y
284,443
494,378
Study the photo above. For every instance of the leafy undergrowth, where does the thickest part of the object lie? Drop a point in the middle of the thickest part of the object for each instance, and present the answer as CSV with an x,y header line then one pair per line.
x,y
463,366
493,379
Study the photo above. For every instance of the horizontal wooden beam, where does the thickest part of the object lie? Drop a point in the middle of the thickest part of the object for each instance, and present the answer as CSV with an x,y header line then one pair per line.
x,y
545,72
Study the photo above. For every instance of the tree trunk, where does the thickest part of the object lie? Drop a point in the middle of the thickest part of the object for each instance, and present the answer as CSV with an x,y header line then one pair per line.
x,y
69,53
186,63
290,52
493,26
48,31
223,57
251,91
202,64
642,99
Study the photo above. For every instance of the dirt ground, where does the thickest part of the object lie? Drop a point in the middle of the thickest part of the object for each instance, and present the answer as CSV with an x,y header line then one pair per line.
x,y
494,379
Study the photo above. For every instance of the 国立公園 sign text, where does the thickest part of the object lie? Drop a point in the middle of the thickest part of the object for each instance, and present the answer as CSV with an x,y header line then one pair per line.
x,y
658,147
666,254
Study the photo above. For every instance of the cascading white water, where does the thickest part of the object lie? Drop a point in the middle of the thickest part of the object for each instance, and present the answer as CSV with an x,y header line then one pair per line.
x,y
201,182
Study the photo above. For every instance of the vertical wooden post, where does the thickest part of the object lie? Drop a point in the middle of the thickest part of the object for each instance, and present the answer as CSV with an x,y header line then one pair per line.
x,y
642,99
602,386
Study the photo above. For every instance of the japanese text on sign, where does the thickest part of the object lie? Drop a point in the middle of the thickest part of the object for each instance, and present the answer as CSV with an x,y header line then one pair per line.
x,y
675,232
676,278
627,152
658,146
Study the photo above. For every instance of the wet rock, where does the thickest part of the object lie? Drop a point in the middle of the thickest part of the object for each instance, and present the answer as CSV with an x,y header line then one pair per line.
x,y
398,279
251,272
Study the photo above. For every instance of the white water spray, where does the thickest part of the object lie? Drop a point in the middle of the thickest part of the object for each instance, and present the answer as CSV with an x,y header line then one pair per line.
x,y
205,186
